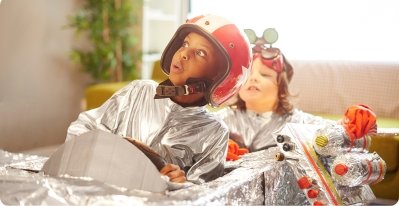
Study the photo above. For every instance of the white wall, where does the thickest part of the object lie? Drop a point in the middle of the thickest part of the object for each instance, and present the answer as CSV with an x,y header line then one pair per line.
x,y
40,91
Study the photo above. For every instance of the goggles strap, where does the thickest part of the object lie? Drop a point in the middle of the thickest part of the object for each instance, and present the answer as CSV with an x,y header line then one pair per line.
x,y
276,63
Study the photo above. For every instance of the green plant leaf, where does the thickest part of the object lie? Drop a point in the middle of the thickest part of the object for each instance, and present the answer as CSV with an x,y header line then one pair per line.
x,y
105,25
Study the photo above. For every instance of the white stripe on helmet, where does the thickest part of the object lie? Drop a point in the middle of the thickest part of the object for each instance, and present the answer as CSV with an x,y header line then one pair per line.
x,y
212,23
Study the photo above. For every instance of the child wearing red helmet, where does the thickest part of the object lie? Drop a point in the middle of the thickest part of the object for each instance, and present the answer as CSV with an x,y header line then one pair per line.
x,y
206,61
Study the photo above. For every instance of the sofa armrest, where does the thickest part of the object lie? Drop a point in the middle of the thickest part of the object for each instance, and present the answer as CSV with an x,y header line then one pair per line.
x,y
386,144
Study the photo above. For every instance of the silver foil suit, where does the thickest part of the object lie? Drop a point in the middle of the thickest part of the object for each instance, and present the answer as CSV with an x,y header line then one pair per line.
x,y
257,129
190,137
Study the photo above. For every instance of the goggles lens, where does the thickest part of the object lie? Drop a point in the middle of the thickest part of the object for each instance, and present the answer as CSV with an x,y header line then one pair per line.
x,y
270,35
270,56
251,35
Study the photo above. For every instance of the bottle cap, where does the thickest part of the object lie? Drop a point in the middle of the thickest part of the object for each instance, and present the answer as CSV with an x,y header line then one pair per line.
x,y
304,182
341,169
287,147
318,203
313,193
280,138
321,140
279,156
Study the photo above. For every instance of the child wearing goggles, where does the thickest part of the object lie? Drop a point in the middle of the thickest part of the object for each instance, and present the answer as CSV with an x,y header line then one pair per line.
x,y
262,105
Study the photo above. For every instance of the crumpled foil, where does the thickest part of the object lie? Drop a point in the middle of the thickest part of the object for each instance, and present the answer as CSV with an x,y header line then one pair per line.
x,y
281,187
22,183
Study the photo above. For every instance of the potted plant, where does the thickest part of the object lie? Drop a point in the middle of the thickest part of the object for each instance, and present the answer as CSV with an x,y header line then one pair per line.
x,y
113,55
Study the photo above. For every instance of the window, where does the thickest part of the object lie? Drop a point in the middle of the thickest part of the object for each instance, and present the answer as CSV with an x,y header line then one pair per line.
x,y
355,30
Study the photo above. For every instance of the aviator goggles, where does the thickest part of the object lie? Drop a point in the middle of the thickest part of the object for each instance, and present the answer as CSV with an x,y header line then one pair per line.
x,y
270,56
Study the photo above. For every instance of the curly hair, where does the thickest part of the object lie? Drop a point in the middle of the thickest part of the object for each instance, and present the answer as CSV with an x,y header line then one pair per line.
x,y
284,105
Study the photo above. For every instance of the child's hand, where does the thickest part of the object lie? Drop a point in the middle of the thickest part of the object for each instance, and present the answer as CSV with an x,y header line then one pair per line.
x,y
174,173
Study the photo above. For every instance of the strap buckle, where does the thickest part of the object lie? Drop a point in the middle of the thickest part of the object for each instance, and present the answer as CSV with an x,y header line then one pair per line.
x,y
186,90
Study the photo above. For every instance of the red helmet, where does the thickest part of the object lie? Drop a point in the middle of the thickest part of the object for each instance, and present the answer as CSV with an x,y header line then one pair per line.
x,y
227,38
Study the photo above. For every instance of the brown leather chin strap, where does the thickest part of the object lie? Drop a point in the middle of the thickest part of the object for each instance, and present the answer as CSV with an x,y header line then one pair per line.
x,y
193,86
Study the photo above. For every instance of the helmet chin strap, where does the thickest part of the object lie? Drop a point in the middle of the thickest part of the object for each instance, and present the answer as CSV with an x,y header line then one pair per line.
x,y
166,89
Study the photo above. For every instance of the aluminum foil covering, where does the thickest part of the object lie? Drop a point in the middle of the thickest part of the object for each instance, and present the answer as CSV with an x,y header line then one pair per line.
x,y
332,140
257,129
190,137
281,187
305,163
242,184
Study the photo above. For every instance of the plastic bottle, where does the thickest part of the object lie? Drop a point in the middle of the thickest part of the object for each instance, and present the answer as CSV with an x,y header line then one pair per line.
x,y
332,140
353,169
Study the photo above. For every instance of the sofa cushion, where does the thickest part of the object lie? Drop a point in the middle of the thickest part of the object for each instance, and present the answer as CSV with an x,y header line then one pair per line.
x,y
329,87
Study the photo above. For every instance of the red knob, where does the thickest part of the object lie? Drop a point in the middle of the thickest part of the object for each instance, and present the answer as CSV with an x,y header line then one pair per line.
x,y
341,169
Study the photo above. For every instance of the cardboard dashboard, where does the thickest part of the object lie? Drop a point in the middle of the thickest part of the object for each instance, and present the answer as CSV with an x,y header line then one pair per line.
x,y
107,158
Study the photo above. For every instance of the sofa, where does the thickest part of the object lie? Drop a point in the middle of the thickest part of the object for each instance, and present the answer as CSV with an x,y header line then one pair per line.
x,y
97,94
